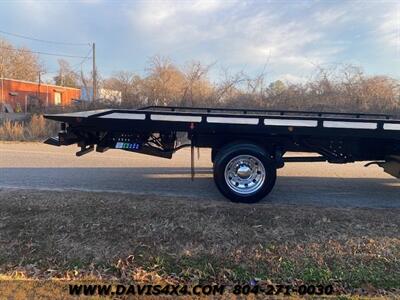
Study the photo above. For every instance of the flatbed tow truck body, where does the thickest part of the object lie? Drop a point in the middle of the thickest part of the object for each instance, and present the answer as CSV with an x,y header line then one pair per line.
x,y
247,145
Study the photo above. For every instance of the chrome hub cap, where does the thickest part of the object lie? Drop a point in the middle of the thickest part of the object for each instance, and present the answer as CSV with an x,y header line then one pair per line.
x,y
243,171
245,174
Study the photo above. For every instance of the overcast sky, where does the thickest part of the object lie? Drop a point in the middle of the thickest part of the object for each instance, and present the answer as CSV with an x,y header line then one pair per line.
x,y
288,37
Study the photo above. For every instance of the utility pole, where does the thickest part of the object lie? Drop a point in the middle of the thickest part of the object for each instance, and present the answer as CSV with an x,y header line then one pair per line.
x,y
94,72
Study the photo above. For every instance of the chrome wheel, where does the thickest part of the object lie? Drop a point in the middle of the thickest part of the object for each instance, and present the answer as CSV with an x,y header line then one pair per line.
x,y
245,174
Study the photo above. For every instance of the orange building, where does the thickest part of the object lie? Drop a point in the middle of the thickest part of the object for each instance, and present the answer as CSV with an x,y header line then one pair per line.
x,y
21,94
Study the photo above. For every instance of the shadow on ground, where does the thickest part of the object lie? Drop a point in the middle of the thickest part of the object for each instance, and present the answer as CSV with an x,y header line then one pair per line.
x,y
317,191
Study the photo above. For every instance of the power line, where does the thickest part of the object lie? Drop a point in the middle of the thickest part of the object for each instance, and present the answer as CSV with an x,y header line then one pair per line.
x,y
86,57
91,45
74,68
79,65
44,53
43,41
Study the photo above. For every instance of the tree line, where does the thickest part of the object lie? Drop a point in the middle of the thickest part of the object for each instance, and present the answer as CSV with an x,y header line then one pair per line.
x,y
339,88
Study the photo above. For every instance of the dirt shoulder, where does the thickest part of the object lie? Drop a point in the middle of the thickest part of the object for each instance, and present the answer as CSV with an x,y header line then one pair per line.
x,y
46,234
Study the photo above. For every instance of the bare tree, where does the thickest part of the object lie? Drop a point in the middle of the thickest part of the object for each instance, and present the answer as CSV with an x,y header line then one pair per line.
x,y
197,86
66,76
165,83
129,84
18,63
229,86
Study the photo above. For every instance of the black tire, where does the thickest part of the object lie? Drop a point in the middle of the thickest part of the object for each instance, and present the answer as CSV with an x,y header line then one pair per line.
x,y
229,153
214,153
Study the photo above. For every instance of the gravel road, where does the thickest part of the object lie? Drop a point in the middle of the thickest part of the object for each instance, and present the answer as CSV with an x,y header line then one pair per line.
x,y
39,166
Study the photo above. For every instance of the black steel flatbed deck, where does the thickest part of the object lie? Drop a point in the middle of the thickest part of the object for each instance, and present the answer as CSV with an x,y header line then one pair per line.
x,y
205,120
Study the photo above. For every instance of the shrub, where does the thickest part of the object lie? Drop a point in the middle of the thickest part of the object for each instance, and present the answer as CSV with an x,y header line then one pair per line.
x,y
36,129
12,131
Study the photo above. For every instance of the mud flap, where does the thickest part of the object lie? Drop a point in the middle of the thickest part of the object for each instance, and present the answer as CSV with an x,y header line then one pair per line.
x,y
392,166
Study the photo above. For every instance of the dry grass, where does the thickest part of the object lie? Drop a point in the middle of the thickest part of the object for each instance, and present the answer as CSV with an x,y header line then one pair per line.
x,y
36,129
124,237
10,131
